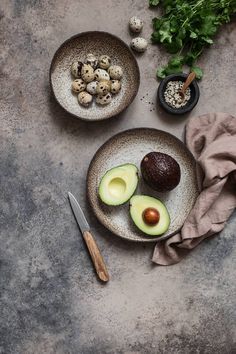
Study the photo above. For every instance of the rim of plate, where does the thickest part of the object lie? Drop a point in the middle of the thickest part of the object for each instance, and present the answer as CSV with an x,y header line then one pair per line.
x,y
107,142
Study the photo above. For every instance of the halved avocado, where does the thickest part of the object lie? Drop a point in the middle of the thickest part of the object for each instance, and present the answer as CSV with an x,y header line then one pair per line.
x,y
118,184
139,204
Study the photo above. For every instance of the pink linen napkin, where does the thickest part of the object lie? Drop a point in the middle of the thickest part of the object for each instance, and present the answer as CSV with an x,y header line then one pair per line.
x,y
212,140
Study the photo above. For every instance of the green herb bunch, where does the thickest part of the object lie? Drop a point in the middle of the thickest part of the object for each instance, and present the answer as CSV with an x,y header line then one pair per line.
x,y
186,28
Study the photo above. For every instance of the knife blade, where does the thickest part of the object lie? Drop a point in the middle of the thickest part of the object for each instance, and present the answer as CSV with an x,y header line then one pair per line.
x,y
94,251
78,213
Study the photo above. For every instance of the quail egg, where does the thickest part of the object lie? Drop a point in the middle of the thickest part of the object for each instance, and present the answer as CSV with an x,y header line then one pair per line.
x,y
135,24
103,87
115,72
104,61
103,100
78,85
91,60
101,74
84,98
139,44
92,87
87,73
115,86
76,68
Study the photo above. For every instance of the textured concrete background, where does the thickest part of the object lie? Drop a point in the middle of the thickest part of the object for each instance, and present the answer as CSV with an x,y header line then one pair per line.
x,y
50,299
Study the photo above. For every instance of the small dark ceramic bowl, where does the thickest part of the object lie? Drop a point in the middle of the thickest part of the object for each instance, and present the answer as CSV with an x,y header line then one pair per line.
x,y
98,43
194,94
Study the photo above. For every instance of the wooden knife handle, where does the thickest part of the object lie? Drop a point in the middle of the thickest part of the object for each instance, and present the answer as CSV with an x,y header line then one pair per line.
x,y
96,256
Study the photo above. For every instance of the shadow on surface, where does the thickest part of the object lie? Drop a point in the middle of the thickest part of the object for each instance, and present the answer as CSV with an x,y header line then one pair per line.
x,y
76,126
170,118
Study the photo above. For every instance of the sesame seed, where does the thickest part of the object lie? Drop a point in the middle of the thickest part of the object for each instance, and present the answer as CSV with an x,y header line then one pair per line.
x,y
172,96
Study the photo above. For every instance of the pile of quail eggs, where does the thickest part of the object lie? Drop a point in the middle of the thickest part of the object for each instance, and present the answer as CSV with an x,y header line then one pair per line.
x,y
96,77
139,44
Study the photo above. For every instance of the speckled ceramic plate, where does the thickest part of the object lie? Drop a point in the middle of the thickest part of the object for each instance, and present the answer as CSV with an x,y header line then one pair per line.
x,y
98,43
131,146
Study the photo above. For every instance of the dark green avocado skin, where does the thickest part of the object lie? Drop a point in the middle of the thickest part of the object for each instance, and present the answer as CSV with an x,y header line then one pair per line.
x,y
160,171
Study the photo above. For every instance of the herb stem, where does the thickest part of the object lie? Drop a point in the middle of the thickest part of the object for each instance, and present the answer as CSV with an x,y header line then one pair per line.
x,y
187,27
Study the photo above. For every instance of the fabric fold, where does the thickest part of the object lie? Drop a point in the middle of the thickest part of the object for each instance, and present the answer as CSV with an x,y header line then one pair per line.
x,y
212,140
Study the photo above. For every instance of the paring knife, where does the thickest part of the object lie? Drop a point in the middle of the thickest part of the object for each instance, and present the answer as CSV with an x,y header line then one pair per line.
x,y
95,254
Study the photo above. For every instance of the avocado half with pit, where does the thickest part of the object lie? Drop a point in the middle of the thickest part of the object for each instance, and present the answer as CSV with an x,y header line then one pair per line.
x,y
118,184
149,215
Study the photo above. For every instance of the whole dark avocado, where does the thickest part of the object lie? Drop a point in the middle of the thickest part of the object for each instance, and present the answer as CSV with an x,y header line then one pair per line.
x,y
160,171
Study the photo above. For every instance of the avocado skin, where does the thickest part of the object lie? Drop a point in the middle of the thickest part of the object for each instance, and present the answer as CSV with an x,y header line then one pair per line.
x,y
160,171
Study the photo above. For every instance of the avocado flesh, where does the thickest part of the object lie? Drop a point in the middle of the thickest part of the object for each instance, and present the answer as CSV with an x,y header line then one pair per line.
x,y
138,203
118,184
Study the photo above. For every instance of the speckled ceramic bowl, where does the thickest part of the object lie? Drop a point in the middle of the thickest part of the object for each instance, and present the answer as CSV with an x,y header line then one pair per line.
x,y
130,147
76,48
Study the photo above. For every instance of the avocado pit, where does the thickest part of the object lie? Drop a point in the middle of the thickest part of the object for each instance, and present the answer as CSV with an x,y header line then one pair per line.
x,y
151,216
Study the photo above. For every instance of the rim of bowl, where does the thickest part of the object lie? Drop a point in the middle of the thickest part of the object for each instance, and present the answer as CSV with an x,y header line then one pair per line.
x,y
83,34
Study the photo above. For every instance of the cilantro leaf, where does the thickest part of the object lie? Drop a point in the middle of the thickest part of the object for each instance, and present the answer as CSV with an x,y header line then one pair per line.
x,y
165,34
198,71
187,27
193,35
174,46
176,61
161,72
153,2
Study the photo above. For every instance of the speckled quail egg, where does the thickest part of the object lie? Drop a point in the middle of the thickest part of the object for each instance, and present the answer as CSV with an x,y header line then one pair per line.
x,y
103,100
104,61
101,74
103,87
115,86
84,98
115,72
139,44
87,73
78,85
92,87
135,24
76,68
91,60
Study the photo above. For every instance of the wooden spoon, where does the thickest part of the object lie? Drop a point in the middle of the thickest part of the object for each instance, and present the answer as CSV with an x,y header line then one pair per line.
x,y
188,81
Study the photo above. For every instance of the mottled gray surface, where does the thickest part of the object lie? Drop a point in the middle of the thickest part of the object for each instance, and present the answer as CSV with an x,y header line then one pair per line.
x,y
51,301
